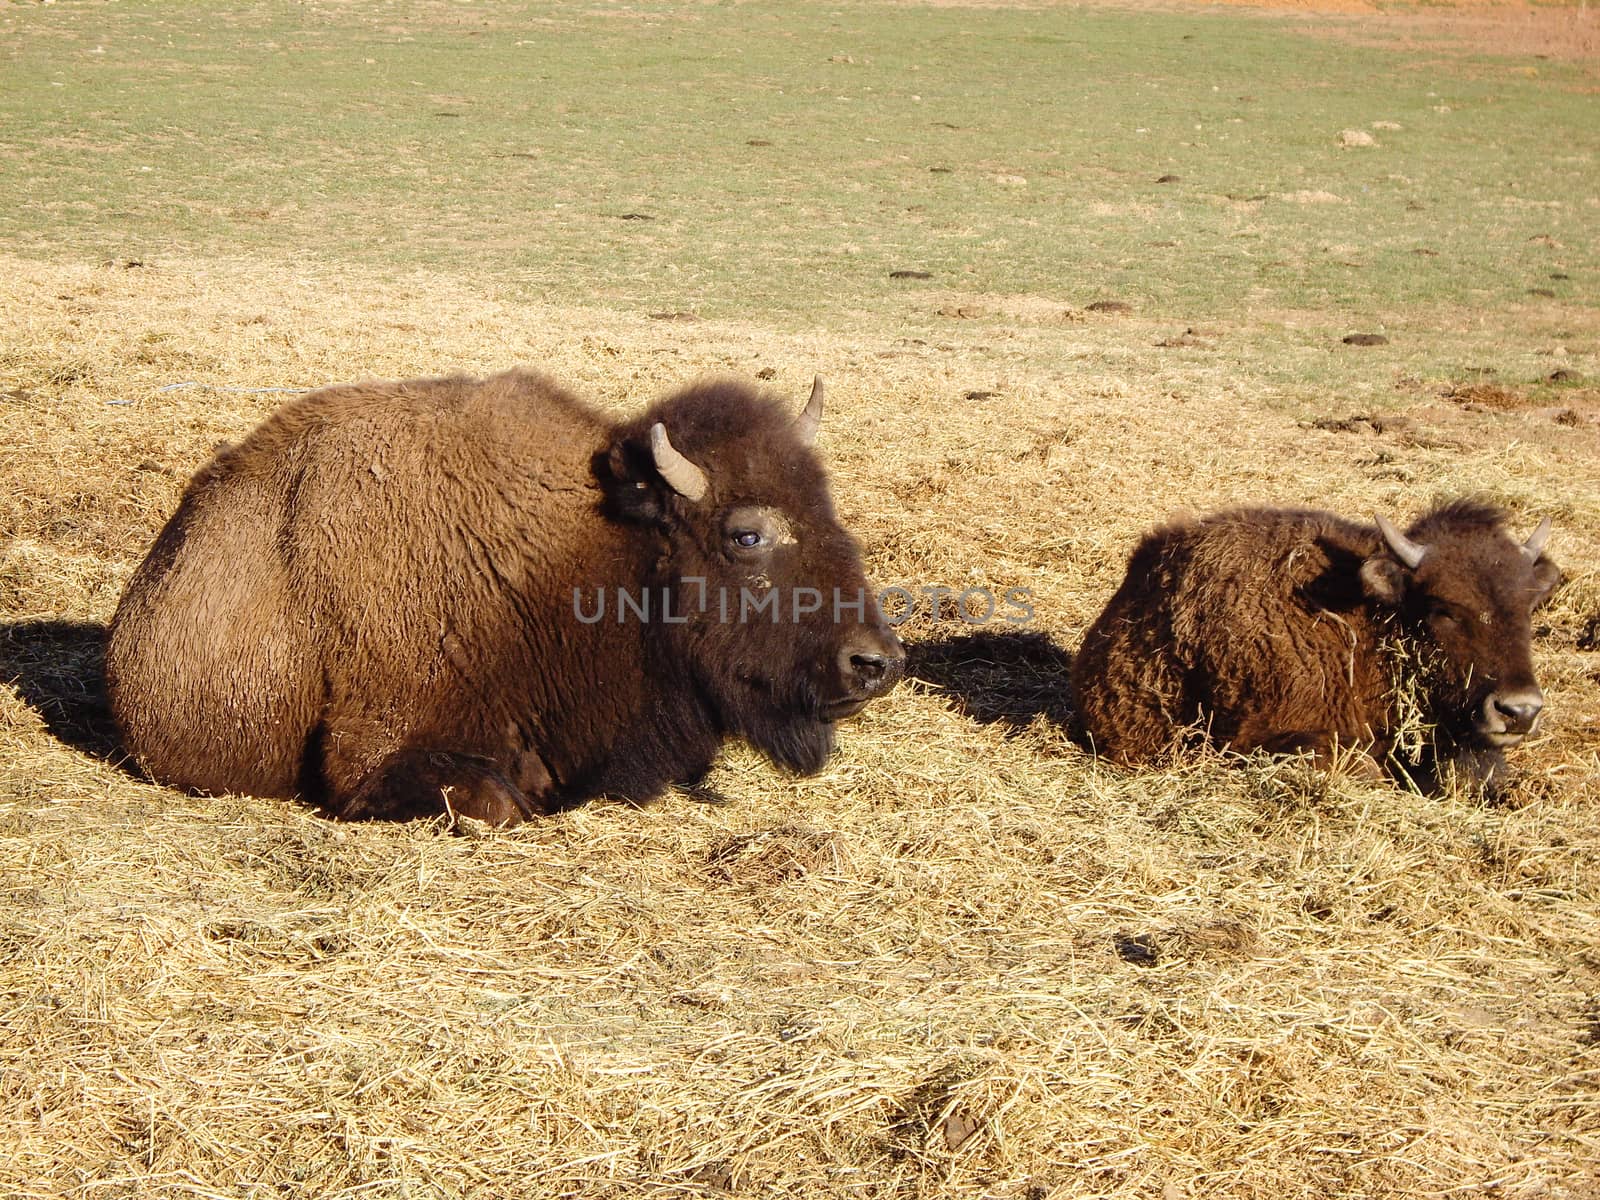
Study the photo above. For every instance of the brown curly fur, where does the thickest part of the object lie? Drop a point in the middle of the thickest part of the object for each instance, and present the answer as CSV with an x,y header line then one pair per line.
x,y
369,602
1266,629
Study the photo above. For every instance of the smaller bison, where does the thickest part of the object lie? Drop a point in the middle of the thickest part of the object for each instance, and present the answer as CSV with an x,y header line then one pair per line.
x,y
484,596
1291,630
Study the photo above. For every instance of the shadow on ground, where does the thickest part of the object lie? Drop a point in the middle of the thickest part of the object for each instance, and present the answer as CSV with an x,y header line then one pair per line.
x,y
58,669
1010,676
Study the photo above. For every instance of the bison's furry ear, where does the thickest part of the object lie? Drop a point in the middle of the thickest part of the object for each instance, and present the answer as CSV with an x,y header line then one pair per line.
x,y
1546,578
626,472
1383,579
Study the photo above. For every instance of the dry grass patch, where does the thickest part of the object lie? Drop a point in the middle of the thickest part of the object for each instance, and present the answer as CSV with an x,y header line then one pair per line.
x,y
964,961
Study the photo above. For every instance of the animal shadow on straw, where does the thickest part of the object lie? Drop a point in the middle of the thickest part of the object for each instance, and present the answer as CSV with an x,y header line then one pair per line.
x,y
1005,676
58,670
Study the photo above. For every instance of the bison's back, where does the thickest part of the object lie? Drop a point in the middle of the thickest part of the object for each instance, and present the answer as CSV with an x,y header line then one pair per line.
x,y
323,585
1247,627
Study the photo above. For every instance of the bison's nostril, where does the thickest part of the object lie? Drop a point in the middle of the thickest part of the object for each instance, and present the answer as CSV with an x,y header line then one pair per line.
x,y
873,667
1519,711
868,667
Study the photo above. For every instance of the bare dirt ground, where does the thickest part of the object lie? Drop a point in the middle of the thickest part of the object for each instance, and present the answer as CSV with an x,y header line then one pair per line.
x,y
1567,33
1562,32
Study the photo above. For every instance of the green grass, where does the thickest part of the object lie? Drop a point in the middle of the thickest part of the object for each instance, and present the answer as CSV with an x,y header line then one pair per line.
x,y
1005,151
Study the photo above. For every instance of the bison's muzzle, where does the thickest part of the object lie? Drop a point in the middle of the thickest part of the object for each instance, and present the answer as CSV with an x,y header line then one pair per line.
x,y
869,664
1508,717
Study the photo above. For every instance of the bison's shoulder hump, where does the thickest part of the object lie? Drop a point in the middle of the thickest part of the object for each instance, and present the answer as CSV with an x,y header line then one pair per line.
x,y
500,412
1252,550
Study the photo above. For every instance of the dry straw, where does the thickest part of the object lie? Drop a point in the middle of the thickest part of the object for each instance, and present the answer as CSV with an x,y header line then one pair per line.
x,y
964,961
1411,668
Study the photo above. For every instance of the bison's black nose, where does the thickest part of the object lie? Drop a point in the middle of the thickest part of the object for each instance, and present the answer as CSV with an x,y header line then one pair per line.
x,y
1519,711
871,662
869,668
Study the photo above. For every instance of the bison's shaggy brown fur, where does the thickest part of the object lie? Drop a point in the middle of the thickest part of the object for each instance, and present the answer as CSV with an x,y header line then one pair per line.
x,y
1290,630
372,601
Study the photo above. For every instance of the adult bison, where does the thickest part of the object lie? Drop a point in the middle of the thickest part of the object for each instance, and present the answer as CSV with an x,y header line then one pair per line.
x,y
1295,630
385,600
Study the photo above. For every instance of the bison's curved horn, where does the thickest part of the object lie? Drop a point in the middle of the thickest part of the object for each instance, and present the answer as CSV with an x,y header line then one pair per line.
x,y
1404,548
688,480
810,418
1534,546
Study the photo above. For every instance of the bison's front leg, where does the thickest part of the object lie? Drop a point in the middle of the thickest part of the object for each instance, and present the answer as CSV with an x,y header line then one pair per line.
x,y
416,783
1327,753
1476,769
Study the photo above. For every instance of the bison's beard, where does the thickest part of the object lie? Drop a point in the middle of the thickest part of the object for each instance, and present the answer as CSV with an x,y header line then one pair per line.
x,y
790,730
800,745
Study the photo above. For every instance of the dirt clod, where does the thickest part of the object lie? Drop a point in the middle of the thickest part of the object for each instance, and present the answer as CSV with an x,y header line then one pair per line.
x,y
1142,950
1487,396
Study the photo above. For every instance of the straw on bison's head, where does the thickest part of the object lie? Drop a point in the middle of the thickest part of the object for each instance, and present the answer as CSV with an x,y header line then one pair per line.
x,y
770,619
1466,591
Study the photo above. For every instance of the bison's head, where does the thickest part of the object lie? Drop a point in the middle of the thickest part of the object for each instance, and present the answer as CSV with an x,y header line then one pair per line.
x,y
1466,591
772,621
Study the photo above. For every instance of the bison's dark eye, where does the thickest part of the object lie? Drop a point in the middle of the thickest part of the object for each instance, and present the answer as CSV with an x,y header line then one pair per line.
x,y
752,531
